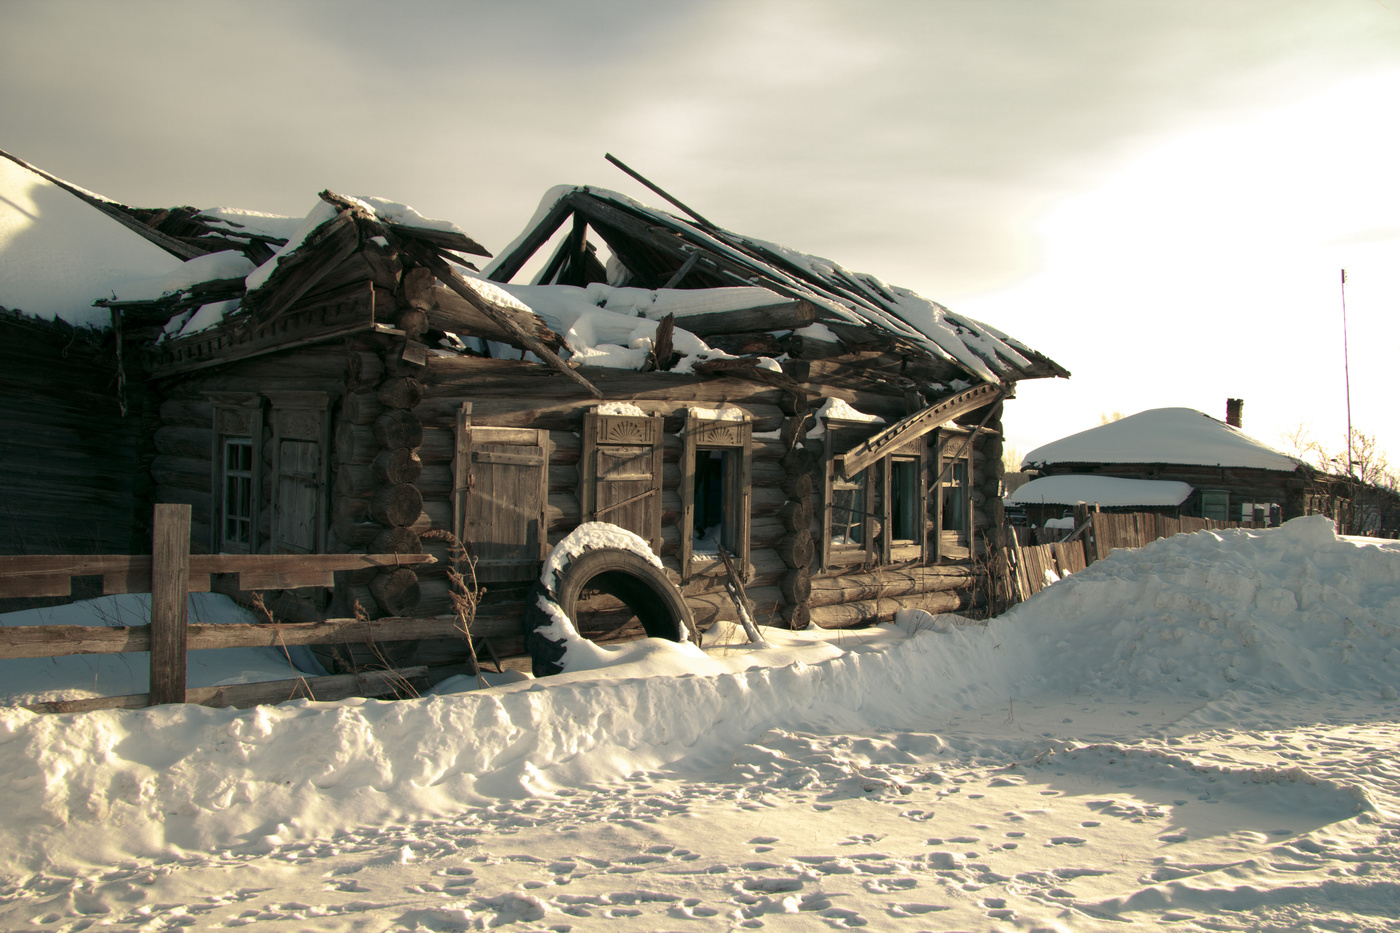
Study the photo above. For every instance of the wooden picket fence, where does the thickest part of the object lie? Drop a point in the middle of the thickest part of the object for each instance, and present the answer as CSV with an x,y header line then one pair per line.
x,y
1026,570
170,573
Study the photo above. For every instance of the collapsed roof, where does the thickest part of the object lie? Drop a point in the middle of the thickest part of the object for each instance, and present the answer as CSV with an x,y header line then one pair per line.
x,y
653,249
677,294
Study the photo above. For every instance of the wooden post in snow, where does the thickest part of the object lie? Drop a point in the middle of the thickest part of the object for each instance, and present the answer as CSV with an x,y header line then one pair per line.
x,y
170,573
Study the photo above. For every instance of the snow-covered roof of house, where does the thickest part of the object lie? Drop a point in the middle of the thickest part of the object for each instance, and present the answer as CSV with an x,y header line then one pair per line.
x,y
59,254
1108,491
655,249
1164,435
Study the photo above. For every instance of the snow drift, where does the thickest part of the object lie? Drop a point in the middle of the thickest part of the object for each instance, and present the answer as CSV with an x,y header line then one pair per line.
x,y
1195,616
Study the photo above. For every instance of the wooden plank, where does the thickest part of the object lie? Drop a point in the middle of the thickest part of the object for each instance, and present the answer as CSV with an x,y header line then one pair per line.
x,y
323,689
170,568
449,277
919,424
57,641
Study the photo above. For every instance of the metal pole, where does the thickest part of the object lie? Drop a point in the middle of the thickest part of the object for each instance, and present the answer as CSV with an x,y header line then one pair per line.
x,y
1346,367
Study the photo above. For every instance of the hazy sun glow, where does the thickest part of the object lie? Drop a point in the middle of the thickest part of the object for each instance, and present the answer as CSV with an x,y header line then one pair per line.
x,y
1219,253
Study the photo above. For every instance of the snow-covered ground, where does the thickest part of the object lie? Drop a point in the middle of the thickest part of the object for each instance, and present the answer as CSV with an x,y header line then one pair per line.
x,y
1200,735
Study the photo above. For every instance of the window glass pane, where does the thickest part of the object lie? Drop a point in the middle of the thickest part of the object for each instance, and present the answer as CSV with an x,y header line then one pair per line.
x,y
238,492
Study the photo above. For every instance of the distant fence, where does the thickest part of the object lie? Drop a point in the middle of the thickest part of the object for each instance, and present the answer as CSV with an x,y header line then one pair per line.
x,y
170,574
1020,572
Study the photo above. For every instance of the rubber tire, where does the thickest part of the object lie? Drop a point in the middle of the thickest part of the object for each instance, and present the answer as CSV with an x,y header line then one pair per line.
x,y
644,587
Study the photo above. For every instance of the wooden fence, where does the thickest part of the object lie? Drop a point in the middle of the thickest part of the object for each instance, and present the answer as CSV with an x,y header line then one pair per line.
x,y
1025,571
170,573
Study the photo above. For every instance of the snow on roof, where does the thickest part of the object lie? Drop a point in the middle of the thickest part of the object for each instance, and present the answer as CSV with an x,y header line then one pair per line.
x,y
839,294
225,264
1107,491
59,254
1164,435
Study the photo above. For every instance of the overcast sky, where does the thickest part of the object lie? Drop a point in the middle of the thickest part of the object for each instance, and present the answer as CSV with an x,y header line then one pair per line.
x,y
1158,195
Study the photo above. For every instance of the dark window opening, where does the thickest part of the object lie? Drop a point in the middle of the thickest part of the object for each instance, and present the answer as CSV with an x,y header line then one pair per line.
x,y
713,525
955,499
904,501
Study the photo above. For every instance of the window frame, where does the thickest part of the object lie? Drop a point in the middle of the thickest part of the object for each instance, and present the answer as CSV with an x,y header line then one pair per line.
x,y
237,417
736,437
877,546
953,544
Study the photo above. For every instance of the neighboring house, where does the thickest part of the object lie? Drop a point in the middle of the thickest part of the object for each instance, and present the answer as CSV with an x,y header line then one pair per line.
x,y
364,387
1211,470
1049,501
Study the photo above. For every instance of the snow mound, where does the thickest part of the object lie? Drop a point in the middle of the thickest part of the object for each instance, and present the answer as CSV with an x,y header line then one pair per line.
x,y
1293,608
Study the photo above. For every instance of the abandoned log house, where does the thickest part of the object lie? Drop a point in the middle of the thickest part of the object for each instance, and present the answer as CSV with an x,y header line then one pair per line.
x,y
356,383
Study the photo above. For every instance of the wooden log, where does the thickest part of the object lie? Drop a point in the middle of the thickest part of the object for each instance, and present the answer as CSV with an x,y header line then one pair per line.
x,y
438,445
868,612
397,540
398,428
194,413
784,315
451,312
413,323
397,506
798,549
706,608
360,407
798,486
752,344
856,586
183,441
396,592
796,586
796,515
355,444
401,392
181,472
401,465
243,696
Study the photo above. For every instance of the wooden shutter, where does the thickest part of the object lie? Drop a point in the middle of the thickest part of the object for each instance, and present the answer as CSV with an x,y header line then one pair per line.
x,y
502,515
301,435
620,473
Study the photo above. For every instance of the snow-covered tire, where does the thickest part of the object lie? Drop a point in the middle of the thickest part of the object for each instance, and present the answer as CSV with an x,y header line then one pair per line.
x,y
644,587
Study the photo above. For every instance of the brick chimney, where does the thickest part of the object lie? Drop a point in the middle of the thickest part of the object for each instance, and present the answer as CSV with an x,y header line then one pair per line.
x,y
1234,412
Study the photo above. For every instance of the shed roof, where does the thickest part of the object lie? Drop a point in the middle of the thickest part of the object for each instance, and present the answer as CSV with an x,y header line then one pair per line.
x,y
1164,435
1108,491
59,254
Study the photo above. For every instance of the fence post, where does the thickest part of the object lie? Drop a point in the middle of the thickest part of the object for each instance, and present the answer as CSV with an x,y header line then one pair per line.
x,y
170,577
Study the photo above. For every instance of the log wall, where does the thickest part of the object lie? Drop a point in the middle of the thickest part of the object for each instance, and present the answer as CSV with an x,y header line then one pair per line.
x,y
73,468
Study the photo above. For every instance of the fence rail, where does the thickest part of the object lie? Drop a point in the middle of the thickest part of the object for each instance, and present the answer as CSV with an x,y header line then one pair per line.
x,y
170,573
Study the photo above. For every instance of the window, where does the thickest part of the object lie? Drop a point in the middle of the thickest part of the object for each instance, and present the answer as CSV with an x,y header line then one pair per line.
x,y
715,492
235,514
876,516
1215,503
954,494
236,520
269,472
501,483
620,473
906,501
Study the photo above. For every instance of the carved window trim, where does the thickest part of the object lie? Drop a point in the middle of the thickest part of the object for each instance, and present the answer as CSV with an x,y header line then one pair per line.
x,y
953,485
237,421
